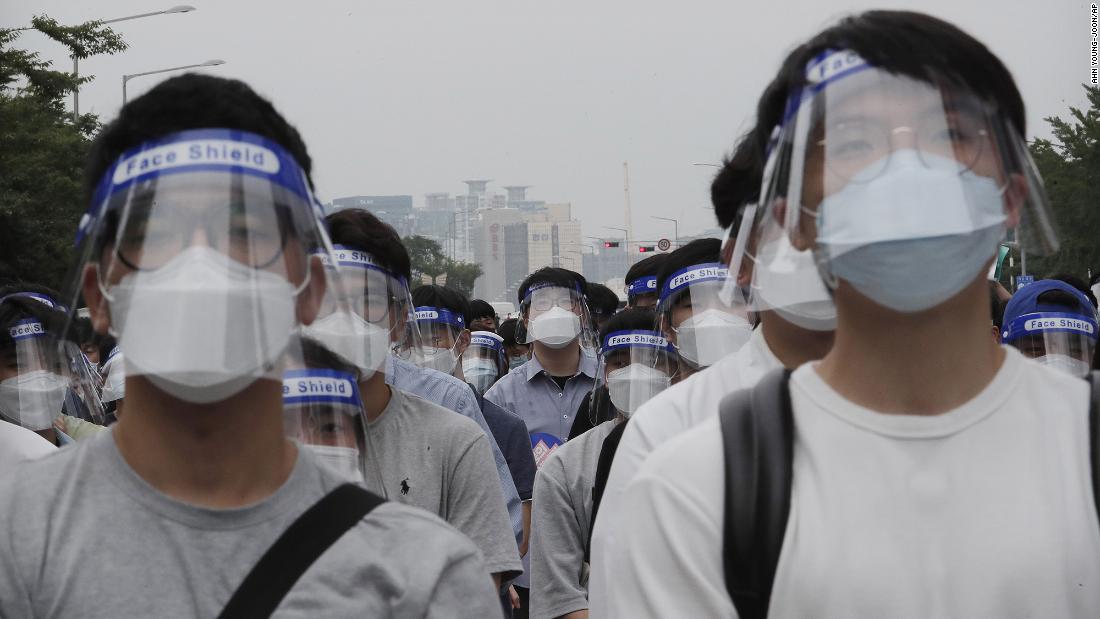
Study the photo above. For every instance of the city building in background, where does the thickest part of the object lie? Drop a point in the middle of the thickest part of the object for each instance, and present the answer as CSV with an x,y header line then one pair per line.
x,y
508,234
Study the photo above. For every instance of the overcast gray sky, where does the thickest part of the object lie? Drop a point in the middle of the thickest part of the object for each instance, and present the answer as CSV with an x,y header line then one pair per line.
x,y
413,96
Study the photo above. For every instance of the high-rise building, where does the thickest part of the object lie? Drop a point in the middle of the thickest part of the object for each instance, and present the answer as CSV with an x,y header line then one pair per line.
x,y
396,211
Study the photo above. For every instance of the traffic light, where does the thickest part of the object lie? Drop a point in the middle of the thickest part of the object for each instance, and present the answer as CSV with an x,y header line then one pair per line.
x,y
645,249
610,244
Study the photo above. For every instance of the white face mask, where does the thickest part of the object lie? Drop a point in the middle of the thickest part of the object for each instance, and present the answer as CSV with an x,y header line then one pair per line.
x,y
481,373
202,327
634,385
787,281
1065,363
556,328
363,344
344,461
706,337
915,235
33,399
440,359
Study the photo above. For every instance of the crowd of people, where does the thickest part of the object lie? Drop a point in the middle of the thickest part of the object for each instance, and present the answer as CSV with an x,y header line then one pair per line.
x,y
242,406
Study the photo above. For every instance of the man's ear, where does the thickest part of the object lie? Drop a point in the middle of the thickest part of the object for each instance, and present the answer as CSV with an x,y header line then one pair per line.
x,y
93,297
309,299
463,342
1016,192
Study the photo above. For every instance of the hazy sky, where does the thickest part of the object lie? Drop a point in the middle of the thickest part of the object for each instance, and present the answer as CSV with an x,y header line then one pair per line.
x,y
410,97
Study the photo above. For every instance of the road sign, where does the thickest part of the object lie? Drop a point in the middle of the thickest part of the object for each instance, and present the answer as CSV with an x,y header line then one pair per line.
x,y
1023,280
664,244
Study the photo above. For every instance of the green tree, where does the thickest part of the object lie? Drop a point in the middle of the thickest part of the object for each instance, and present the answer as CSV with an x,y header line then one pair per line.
x,y
427,258
1070,166
42,151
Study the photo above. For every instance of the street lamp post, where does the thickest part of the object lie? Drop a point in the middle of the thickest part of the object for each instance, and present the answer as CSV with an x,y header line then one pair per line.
x,y
182,8
127,78
675,229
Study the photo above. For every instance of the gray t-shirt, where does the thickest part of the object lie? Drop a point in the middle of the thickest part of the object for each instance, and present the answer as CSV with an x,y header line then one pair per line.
x,y
82,535
436,460
560,515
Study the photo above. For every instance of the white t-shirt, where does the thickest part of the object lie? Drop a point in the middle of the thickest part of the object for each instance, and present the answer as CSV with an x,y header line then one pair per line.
x,y
668,414
18,443
984,511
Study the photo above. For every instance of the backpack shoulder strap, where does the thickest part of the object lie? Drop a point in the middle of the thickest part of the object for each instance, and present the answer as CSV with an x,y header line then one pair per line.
x,y
307,538
758,445
1094,436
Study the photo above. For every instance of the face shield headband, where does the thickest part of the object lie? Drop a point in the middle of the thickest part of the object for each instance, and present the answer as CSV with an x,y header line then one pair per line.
x,y
626,340
1042,323
440,315
643,285
688,276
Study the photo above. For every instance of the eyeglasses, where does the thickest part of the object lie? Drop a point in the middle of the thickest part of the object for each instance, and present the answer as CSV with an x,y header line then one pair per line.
x,y
859,150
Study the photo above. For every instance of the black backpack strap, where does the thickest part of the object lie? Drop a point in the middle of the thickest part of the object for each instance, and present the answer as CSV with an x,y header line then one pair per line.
x,y
758,445
1094,436
297,548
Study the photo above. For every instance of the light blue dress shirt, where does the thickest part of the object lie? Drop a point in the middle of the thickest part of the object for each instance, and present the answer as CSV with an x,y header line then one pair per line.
x,y
530,393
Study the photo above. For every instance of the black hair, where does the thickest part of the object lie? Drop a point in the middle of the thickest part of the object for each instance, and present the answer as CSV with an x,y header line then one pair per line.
x,y
362,230
728,193
1078,283
554,276
507,331
630,319
907,43
191,101
699,251
439,296
601,300
647,266
480,308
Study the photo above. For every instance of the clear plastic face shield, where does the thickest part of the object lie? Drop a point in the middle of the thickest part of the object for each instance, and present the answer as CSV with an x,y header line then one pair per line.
x,y
699,318
1063,340
484,360
556,316
903,188
368,316
635,365
642,292
322,412
42,375
442,334
196,256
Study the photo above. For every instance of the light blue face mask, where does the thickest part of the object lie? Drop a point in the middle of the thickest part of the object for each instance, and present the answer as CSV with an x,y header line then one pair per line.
x,y
915,235
516,361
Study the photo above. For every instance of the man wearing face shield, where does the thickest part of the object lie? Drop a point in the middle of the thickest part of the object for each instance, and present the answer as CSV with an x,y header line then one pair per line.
x,y
602,303
359,230
1053,323
42,374
795,317
518,352
482,316
636,363
454,478
697,321
546,391
439,311
931,471
484,362
196,254
641,281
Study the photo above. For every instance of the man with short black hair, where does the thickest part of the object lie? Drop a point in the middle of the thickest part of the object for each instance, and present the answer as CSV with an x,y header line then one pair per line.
x,y
481,316
206,290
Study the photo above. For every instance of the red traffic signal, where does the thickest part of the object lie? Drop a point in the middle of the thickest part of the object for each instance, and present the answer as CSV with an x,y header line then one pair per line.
x,y
646,248
610,244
